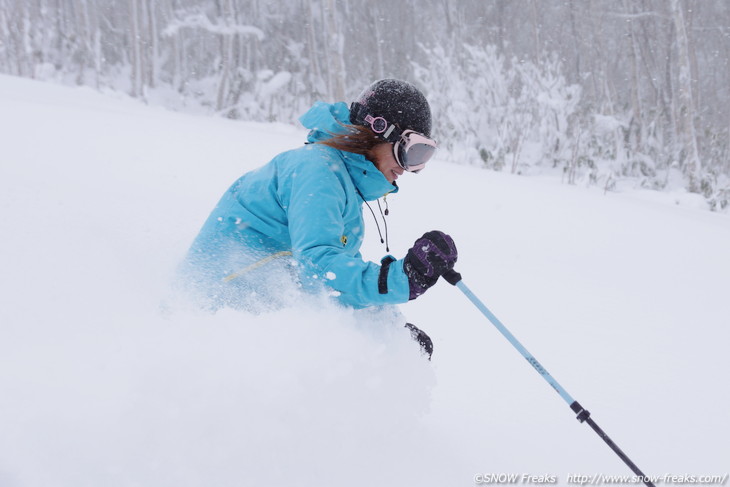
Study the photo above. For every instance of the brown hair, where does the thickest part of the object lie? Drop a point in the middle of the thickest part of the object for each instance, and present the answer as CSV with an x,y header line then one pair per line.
x,y
357,139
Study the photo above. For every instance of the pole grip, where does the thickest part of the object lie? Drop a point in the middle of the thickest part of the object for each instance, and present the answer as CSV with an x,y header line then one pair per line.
x,y
452,277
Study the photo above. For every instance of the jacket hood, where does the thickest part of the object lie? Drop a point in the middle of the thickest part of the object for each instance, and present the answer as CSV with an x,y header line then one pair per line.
x,y
327,119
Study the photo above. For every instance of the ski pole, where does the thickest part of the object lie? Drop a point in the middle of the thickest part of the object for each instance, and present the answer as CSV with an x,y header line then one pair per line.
x,y
454,278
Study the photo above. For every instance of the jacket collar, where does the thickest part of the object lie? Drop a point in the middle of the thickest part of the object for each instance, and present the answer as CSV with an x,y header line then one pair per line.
x,y
369,181
326,119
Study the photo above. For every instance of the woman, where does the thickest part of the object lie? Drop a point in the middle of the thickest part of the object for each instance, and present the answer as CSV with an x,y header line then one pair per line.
x,y
307,203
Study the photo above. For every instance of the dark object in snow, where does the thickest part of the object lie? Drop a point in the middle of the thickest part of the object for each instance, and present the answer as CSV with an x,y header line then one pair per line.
x,y
422,339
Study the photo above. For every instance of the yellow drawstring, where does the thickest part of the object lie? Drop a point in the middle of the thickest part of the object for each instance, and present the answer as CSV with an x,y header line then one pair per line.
x,y
256,265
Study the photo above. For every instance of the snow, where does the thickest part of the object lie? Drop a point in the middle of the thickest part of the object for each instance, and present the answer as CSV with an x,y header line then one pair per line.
x,y
201,21
276,83
106,378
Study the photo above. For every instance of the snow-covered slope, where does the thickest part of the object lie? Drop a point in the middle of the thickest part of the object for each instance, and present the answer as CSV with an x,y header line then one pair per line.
x,y
106,379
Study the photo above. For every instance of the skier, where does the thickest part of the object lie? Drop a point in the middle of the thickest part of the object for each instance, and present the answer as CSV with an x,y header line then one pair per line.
x,y
301,214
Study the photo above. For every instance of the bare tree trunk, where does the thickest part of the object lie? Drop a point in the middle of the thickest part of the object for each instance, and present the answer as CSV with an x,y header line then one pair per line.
x,y
256,51
180,70
671,103
375,23
690,159
637,123
153,47
535,29
576,39
82,36
136,78
4,34
336,47
21,38
500,26
594,62
97,47
689,11
227,39
89,43
315,77
171,45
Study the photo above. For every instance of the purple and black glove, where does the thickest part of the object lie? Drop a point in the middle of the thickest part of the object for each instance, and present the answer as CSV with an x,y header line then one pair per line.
x,y
431,256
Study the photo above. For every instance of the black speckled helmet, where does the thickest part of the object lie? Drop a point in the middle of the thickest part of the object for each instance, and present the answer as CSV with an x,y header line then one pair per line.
x,y
391,106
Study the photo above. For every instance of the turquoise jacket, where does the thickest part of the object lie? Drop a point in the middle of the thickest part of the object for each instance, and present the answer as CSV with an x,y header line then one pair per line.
x,y
306,201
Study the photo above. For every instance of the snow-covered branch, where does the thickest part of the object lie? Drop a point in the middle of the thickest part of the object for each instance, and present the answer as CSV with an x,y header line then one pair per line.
x,y
201,21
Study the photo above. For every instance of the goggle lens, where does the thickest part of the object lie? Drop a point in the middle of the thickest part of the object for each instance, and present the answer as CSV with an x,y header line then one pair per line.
x,y
413,151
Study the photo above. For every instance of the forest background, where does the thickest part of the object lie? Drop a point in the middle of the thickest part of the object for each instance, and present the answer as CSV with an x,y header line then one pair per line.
x,y
614,93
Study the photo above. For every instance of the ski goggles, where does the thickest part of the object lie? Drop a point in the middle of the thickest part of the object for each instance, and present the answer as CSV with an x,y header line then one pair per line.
x,y
413,150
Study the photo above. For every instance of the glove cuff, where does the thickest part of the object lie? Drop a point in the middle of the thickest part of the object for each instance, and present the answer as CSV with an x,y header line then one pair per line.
x,y
383,276
418,283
